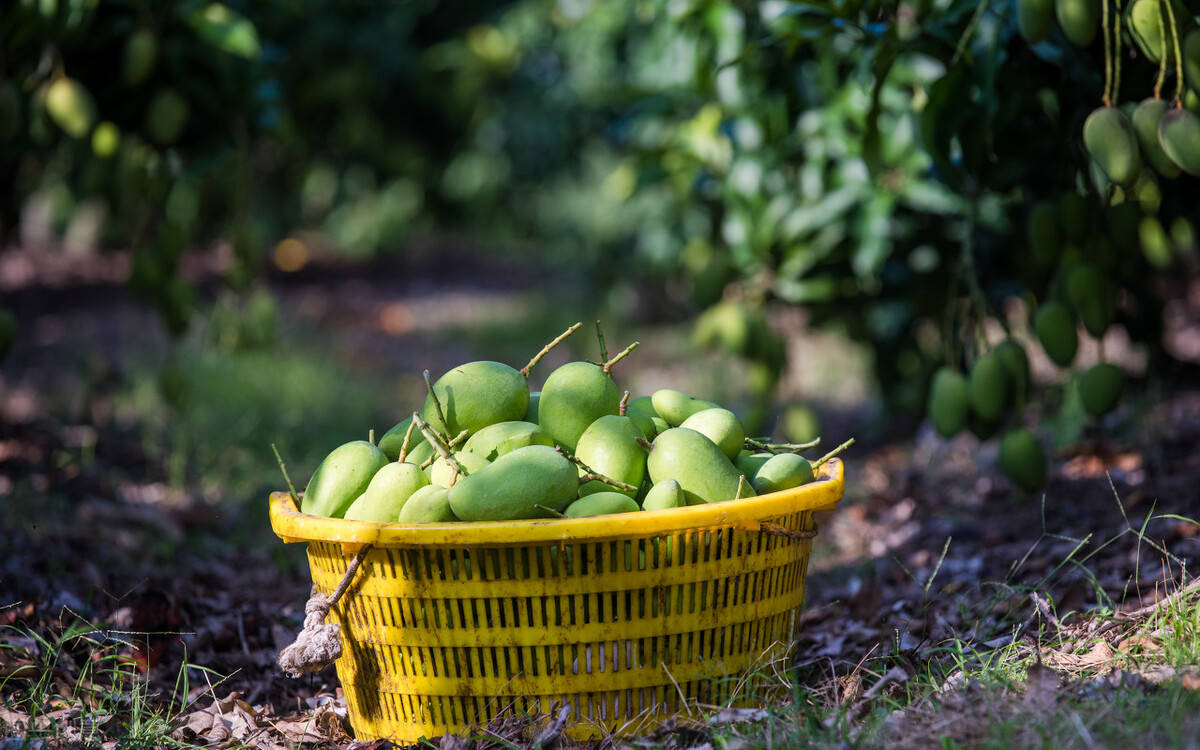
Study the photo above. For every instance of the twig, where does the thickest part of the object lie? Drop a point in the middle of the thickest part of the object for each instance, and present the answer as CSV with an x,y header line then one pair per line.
x,y
546,349
439,445
371,436
644,443
283,468
607,366
437,404
1178,56
623,406
407,436
603,345
551,511
762,445
737,495
590,475
1163,603
817,464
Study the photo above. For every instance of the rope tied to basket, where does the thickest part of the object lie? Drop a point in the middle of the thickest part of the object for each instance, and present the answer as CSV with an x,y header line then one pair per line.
x,y
319,644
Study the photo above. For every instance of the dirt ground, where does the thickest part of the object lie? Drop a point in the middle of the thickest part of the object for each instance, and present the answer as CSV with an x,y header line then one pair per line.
x,y
103,558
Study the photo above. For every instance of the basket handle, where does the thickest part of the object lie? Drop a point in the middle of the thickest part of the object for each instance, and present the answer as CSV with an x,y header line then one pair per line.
x,y
319,644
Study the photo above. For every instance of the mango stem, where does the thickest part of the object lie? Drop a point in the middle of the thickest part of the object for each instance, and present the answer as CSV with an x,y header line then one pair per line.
x,y
453,443
607,366
283,468
439,445
600,338
741,485
437,404
546,349
407,436
591,475
621,407
551,511
763,445
371,436
644,443
817,464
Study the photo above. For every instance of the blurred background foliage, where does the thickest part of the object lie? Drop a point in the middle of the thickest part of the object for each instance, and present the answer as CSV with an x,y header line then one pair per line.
x,y
871,160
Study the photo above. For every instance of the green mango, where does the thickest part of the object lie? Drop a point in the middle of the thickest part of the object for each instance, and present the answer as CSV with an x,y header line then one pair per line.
x,y
1100,388
8,331
660,425
1094,301
141,50
70,106
801,423
1079,20
609,446
393,440
1191,59
574,396
1156,246
531,412
949,402
749,463
989,387
1044,240
645,405
644,421
1110,140
166,117
720,426
1146,119
476,395
341,477
782,472
726,325
1146,23
1055,329
105,139
1073,216
663,495
704,473
441,472
530,482
1183,234
1034,19
497,439
676,406
1179,135
1016,368
387,493
1022,460
601,504
430,504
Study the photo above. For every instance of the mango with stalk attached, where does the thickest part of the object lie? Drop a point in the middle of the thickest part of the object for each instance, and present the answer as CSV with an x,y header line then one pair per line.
x,y
475,395
531,482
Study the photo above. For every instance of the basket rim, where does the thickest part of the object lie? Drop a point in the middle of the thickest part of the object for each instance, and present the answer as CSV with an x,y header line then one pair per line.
x,y
290,525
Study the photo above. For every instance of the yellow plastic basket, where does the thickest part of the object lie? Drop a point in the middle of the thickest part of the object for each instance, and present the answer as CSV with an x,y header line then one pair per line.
x,y
623,618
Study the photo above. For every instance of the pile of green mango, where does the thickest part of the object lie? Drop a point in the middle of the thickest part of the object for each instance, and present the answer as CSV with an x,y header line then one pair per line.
x,y
484,447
